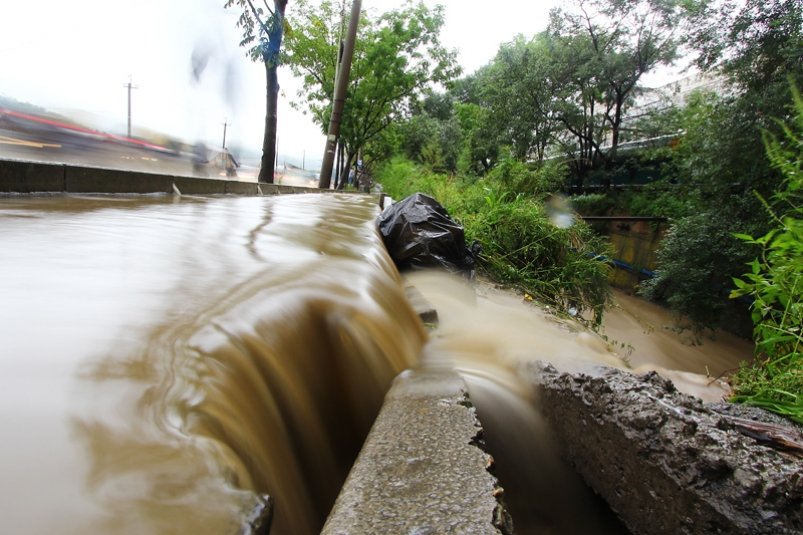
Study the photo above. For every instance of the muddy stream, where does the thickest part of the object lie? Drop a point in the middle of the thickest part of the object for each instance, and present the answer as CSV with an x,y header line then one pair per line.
x,y
167,360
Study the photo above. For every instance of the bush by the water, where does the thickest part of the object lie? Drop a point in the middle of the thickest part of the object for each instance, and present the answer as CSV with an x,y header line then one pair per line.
x,y
775,283
521,245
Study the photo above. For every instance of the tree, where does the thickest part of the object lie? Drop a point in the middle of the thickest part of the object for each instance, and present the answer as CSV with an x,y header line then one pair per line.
x,y
397,56
600,50
432,133
480,136
758,47
480,150
265,40
757,44
518,88
721,160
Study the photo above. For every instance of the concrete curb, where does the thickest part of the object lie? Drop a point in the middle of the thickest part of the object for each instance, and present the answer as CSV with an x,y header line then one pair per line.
x,y
664,462
35,177
422,470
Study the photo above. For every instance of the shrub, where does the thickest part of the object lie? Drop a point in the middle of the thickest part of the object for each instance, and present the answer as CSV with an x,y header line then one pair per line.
x,y
521,246
529,179
697,260
775,282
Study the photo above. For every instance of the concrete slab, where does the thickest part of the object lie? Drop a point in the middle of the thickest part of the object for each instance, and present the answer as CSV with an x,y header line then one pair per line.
x,y
422,470
663,461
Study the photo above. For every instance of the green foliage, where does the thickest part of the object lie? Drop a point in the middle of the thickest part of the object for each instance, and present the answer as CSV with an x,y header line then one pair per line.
x,y
257,23
775,282
659,200
720,158
563,91
654,200
530,179
518,87
594,204
397,56
521,245
698,258
432,135
480,148
399,177
755,43
756,46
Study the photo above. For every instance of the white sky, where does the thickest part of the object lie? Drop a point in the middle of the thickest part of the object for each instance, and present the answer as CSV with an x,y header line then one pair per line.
x,y
77,55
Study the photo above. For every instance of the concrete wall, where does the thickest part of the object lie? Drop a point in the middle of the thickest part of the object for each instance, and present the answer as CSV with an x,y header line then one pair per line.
x,y
36,177
634,243
422,469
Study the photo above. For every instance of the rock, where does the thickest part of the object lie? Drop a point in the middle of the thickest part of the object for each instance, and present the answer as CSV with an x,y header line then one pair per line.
x,y
663,461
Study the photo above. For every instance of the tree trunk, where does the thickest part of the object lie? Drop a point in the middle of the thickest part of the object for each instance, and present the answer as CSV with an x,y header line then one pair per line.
x,y
269,141
270,56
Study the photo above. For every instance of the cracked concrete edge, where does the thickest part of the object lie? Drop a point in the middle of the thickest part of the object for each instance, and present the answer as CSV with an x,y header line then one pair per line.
x,y
422,469
259,518
662,460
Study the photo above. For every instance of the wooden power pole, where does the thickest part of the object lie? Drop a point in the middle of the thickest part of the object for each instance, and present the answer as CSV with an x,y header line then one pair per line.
x,y
339,99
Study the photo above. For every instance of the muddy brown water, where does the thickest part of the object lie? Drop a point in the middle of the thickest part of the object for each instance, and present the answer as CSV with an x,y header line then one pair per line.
x,y
167,359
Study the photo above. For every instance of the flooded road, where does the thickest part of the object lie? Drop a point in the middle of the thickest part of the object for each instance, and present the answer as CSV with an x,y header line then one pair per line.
x,y
165,360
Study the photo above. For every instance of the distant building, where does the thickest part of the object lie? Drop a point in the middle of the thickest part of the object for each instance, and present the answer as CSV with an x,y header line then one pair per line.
x,y
676,94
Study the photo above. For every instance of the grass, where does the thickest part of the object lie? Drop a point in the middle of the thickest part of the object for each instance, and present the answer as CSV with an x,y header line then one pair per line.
x,y
521,246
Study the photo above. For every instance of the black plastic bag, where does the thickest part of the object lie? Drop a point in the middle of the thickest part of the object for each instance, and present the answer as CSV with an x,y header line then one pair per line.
x,y
418,233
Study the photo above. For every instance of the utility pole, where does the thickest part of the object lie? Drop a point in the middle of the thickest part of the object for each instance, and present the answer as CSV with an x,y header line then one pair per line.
x,y
130,86
339,99
226,123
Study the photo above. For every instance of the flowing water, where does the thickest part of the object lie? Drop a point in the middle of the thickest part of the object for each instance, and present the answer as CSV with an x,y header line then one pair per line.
x,y
486,334
167,360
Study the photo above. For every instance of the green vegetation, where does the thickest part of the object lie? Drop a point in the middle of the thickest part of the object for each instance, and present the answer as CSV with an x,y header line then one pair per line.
x,y
720,159
775,282
397,54
521,244
551,113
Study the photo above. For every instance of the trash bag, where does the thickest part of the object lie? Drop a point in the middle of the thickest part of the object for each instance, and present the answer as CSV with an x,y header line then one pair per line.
x,y
418,233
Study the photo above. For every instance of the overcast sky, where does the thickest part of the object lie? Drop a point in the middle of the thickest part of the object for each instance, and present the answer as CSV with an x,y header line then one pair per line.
x,y
79,54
